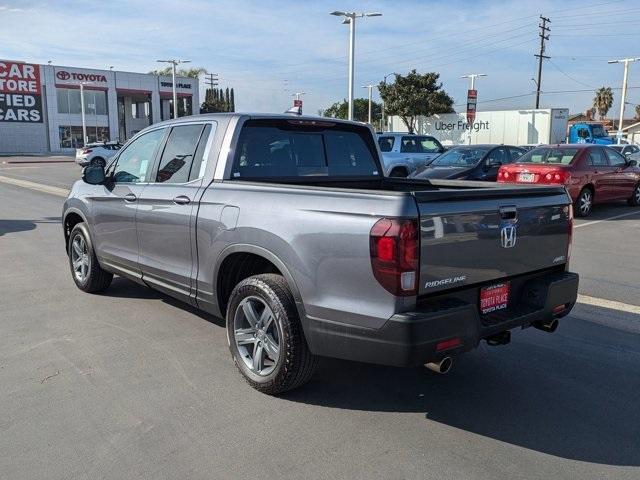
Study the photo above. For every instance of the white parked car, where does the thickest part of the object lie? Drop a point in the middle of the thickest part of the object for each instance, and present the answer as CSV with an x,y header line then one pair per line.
x,y
98,153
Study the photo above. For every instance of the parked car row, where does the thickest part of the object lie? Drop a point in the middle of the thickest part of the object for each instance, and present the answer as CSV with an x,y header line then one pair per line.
x,y
592,173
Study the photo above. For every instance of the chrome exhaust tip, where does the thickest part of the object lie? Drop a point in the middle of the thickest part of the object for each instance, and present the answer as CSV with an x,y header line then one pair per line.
x,y
442,367
549,326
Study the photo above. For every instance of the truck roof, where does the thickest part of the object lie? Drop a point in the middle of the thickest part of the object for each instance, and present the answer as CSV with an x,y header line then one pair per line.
x,y
266,116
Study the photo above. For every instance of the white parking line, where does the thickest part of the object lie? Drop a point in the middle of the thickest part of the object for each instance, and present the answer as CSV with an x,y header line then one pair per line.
x,y
606,219
610,304
61,192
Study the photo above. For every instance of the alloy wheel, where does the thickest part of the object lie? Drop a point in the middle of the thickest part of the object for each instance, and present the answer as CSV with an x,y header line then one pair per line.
x,y
256,335
585,202
79,258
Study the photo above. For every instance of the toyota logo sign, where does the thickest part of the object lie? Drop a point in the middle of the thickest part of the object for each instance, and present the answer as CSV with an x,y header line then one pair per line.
x,y
62,75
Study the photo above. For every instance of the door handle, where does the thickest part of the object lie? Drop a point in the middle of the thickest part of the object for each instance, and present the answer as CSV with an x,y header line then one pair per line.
x,y
130,197
181,200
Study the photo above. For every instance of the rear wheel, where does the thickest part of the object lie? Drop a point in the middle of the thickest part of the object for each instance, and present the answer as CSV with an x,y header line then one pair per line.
x,y
265,335
584,203
634,201
85,269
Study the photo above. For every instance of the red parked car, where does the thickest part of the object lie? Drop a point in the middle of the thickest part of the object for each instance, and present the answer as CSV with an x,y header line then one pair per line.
x,y
591,173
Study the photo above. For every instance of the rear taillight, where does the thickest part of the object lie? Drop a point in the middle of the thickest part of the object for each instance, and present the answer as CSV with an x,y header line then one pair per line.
x,y
395,253
570,239
86,150
557,176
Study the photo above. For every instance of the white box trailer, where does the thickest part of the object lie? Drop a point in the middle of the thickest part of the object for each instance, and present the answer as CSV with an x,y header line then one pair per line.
x,y
511,127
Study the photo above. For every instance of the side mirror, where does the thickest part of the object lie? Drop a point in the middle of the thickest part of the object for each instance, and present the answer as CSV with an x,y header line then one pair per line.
x,y
632,163
93,174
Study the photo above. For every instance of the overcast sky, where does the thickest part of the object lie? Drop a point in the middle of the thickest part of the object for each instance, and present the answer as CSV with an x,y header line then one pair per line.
x,y
267,50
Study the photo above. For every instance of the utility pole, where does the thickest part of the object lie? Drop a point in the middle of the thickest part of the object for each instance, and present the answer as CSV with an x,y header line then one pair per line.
x,y
174,63
626,62
370,88
211,79
541,56
383,122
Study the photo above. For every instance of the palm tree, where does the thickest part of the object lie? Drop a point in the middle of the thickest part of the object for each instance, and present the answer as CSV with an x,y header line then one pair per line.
x,y
603,101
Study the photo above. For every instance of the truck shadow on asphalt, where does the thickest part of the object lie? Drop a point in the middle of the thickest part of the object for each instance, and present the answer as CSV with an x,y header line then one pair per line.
x,y
15,226
573,394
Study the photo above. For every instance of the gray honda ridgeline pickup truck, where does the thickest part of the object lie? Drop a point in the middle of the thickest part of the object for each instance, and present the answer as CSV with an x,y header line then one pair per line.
x,y
285,226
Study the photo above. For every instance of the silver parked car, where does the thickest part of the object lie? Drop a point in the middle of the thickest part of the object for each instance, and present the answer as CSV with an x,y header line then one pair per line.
x,y
403,153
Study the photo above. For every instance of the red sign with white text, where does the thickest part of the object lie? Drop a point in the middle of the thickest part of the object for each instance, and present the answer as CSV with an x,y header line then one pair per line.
x,y
20,92
472,99
495,297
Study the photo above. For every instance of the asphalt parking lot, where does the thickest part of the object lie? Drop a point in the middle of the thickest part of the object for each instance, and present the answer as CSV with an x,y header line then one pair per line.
x,y
132,384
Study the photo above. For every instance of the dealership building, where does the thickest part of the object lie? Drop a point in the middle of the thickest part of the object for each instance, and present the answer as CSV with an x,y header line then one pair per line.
x,y
40,107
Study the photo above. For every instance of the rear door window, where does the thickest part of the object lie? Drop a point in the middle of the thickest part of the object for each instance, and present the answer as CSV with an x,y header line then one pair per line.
x,y
409,145
386,143
283,148
177,157
596,158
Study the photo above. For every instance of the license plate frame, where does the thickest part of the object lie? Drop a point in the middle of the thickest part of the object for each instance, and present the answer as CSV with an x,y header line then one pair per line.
x,y
526,177
494,298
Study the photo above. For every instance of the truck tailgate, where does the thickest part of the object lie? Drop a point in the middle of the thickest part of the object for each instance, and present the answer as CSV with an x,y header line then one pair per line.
x,y
476,236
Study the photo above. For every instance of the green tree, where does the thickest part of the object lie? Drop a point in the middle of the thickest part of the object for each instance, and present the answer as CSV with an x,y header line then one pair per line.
x,y
189,72
218,100
360,110
638,112
415,94
603,101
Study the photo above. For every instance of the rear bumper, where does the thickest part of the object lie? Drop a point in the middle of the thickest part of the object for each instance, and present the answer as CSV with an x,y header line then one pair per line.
x,y
410,338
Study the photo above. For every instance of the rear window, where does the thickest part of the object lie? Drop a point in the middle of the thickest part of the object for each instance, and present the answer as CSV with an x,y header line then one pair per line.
x,y
294,148
560,155
461,157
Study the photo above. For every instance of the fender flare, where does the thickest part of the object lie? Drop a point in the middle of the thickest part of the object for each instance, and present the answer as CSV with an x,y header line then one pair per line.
x,y
268,255
78,212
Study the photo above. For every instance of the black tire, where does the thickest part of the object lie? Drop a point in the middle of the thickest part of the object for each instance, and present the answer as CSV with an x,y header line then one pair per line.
x,y
398,173
634,201
96,279
295,364
584,203
98,161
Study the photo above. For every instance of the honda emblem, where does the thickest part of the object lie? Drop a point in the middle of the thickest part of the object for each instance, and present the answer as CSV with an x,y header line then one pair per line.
x,y
508,236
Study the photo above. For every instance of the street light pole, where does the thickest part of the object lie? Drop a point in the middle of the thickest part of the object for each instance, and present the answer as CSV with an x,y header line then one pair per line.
x,y
174,63
383,122
623,100
370,88
350,18
472,77
84,123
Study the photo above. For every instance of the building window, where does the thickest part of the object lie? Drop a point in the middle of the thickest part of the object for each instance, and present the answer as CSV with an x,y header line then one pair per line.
x,y
71,136
95,101
140,109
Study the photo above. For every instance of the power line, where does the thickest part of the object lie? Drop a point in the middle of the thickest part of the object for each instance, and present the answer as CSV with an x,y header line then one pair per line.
x,y
569,76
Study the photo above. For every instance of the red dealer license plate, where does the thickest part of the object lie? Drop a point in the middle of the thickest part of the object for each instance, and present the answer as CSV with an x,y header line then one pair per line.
x,y
494,298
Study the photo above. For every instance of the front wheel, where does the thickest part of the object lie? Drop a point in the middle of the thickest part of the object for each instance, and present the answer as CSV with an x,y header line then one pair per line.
x,y
634,201
85,269
265,335
584,203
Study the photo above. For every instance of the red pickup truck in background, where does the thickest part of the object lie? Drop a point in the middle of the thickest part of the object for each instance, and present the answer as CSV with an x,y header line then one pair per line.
x,y
591,173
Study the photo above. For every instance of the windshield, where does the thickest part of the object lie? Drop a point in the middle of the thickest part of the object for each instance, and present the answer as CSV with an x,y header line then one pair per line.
x,y
461,157
598,131
558,155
